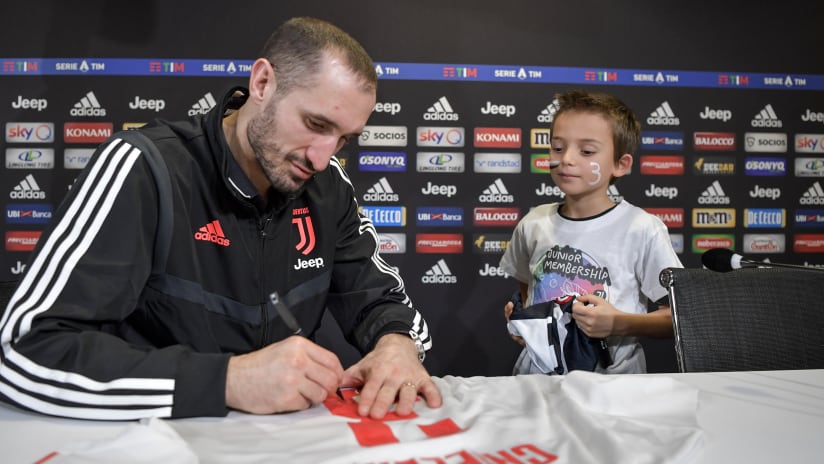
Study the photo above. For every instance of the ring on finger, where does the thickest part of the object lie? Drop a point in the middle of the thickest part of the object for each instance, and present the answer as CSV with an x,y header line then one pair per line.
x,y
409,384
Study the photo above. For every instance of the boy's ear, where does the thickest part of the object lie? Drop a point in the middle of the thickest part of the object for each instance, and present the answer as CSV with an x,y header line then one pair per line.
x,y
623,165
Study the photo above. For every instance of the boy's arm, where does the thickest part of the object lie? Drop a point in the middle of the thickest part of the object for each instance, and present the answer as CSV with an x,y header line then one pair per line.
x,y
600,319
655,324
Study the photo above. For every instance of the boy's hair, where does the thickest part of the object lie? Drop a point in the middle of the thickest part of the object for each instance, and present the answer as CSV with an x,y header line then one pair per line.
x,y
295,50
626,130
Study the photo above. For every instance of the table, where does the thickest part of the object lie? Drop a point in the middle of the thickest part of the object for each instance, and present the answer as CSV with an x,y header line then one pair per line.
x,y
753,417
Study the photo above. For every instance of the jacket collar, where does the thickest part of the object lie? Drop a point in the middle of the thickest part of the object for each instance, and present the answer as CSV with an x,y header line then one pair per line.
x,y
236,180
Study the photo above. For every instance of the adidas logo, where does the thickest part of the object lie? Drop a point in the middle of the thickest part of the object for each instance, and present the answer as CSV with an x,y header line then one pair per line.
x,y
212,232
441,110
614,194
204,105
663,116
381,191
766,118
88,106
813,196
27,189
714,195
496,193
439,274
548,113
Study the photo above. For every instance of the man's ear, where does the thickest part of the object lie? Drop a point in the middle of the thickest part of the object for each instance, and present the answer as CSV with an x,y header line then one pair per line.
x,y
623,165
262,81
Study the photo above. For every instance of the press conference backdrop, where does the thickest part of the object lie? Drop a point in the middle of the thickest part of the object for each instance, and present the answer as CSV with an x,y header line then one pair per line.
x,y
455,152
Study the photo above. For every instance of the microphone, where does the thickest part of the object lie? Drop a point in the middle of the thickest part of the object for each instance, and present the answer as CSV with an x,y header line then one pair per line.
x,y
724,260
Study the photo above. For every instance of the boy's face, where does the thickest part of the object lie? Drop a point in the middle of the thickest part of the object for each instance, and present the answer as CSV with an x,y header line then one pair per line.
x,y
582,142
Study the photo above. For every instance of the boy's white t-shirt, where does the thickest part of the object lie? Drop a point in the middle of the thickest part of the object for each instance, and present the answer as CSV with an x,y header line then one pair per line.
x,y
617,255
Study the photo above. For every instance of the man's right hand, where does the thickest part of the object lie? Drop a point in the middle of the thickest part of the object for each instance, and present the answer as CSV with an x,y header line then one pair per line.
x,y
289,375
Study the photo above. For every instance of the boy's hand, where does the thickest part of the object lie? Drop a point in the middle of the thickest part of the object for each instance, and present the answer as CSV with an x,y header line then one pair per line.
x,y
595,316
508,308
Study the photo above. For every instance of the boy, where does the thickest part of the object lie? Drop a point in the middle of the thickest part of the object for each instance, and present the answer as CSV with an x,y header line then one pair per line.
x,y
607,254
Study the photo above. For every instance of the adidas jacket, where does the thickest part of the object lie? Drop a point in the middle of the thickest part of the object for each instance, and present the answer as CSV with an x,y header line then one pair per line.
x,y
105,324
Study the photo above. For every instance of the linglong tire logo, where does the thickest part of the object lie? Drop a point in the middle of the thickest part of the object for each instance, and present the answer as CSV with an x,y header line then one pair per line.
x,y
307,234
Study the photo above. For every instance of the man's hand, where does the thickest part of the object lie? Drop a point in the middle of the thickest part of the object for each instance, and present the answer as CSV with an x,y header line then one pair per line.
x,y
289,375
391,371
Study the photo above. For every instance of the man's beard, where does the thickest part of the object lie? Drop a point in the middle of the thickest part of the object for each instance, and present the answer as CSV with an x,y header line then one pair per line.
x,y
262,134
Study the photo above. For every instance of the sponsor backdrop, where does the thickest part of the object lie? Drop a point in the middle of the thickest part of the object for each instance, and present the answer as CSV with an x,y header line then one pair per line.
x,y
455,152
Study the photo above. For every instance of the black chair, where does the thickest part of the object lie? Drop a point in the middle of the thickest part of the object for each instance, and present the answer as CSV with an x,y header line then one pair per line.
x,y
748,319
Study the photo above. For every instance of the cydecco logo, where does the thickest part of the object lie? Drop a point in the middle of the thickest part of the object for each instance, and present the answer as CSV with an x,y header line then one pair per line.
x,y
86,132
765,217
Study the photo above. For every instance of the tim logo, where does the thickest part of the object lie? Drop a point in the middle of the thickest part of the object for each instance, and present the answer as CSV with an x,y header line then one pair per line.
x,y
306,231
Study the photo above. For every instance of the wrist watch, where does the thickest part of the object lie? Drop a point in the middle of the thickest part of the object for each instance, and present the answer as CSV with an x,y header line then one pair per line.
x,y
418,345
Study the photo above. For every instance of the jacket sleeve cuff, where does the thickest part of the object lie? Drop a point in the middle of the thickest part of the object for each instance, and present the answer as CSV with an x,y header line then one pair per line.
x,y
200,386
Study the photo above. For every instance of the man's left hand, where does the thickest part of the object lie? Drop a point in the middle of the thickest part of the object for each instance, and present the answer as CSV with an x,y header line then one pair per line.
x,y
390,372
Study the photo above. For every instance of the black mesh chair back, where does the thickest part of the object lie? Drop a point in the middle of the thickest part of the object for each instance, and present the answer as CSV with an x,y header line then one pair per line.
x,y
747,320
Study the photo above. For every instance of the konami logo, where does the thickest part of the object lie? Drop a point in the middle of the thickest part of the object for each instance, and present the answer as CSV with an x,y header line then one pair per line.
x,y
671,217
87,132
497,137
